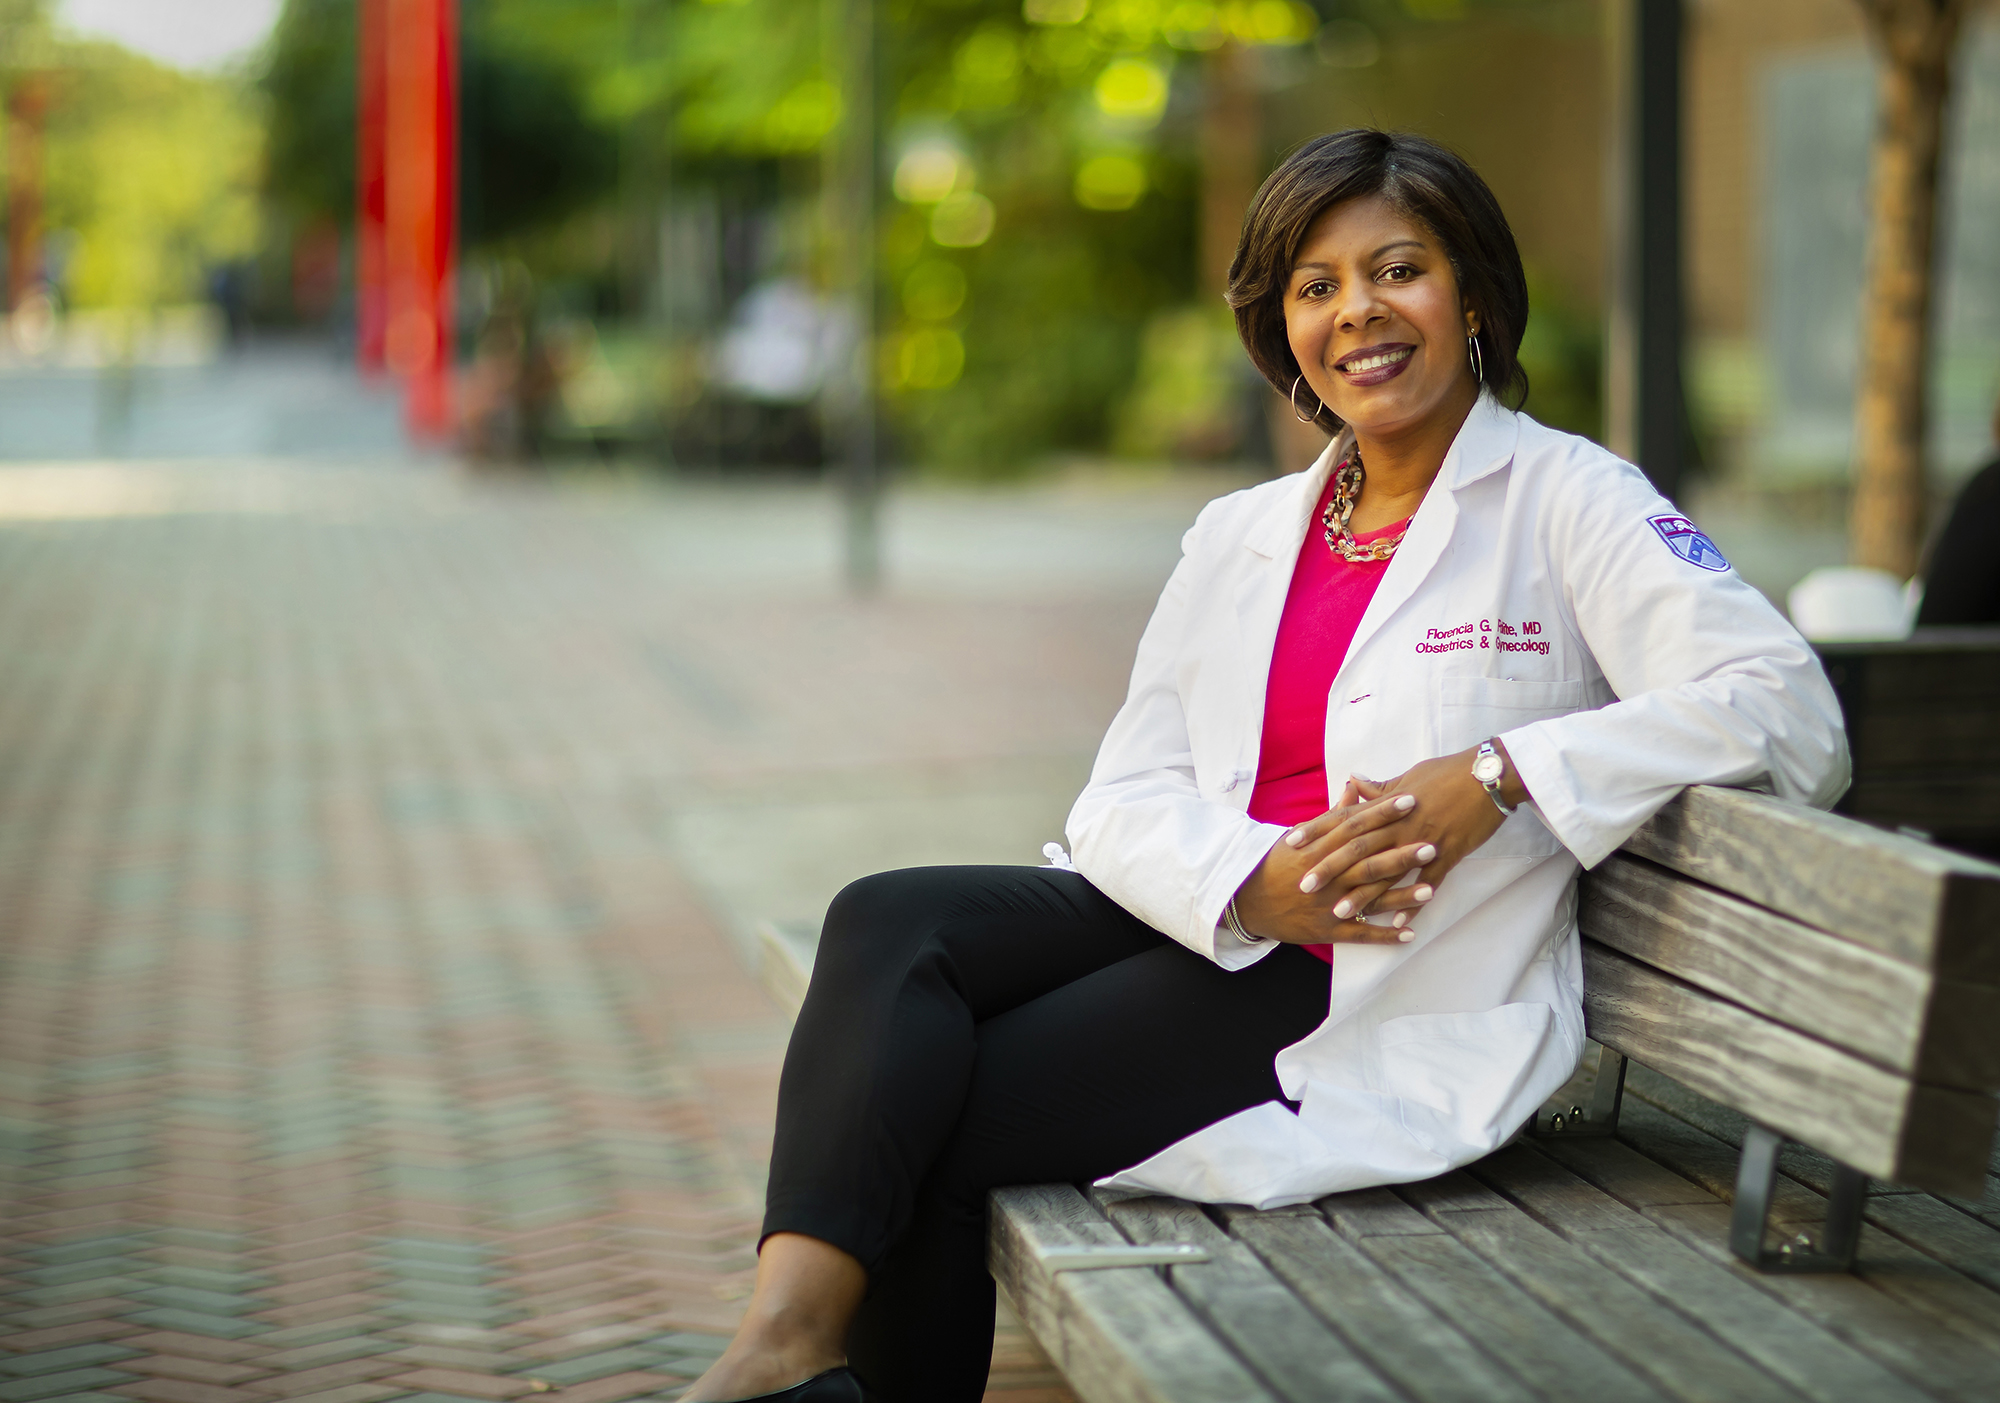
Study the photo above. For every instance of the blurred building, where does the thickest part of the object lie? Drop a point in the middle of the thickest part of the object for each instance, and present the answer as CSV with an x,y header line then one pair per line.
x,y
1778,113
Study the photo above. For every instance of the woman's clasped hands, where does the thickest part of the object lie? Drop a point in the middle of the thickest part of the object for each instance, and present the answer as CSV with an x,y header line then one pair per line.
x,y
1382,850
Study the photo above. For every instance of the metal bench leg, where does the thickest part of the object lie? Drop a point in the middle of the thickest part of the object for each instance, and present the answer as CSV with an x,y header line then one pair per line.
x,y
1607,1094
1756,1177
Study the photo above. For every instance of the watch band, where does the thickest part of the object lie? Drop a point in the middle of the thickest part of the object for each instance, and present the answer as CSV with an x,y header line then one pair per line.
x,y
1492,786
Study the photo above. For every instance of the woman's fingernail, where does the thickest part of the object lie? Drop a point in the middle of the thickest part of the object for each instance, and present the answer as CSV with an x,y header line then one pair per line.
x,y
1405,802
1400,919
1422,892
1343,908
1310,882
1406,936
1296,837
1426,853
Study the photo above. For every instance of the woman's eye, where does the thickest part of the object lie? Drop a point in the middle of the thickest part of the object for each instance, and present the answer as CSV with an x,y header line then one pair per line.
x,y
1398,273
1315,289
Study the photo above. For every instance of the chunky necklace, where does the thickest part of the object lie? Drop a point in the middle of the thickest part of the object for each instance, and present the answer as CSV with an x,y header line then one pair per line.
x,y
1347,479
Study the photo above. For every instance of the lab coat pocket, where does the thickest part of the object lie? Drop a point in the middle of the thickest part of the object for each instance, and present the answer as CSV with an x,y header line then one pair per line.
x,y
1472,709
1469,1079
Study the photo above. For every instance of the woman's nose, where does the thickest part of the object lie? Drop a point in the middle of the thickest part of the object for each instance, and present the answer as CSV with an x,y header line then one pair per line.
x,y
1357,309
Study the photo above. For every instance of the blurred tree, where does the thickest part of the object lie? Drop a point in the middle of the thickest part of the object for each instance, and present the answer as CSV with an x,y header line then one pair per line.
x,y
309,80
152,172
531,153
26,51
1915,41
1563,353
1043,163
1104,141
1062,190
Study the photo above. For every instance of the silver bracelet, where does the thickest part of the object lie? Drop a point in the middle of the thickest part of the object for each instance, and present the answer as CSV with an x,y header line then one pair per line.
x,y
1235,924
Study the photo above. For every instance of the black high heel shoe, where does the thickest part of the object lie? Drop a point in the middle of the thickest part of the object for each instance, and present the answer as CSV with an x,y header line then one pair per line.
x,y
837,1385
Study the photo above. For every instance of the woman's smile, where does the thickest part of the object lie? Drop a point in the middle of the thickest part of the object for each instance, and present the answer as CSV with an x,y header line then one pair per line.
x,y
1373,365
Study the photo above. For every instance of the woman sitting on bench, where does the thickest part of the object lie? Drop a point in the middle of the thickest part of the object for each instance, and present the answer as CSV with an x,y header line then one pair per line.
x,y
1268,977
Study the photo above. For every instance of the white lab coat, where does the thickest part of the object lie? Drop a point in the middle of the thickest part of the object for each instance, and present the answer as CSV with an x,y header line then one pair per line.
x,y
1546,594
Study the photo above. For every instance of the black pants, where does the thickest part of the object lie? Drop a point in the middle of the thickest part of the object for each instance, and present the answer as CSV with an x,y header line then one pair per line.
x,y
969,1027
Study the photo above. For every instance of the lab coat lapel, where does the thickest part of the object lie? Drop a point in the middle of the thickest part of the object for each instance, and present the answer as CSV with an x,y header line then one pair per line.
x,y
1273,544
1430,532
1484,444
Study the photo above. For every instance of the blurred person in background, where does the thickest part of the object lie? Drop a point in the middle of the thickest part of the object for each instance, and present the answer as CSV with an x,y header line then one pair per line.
x,y
1245,989
1963,583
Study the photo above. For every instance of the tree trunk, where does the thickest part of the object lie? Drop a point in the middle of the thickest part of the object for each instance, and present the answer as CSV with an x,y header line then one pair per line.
x,y
1232,159
1914,40
849,169
27,104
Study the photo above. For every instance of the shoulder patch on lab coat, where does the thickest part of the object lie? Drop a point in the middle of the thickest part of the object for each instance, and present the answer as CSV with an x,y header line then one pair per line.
x,y
1686,540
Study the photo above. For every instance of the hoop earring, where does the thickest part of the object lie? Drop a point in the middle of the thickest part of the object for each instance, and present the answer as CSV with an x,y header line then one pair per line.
x,y
1478,361
1312,418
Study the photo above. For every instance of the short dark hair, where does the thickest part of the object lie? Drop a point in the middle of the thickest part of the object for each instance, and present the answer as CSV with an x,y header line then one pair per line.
x,y
1429,183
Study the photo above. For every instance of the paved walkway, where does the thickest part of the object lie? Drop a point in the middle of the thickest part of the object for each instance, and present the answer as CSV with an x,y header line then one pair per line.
x,y
376,846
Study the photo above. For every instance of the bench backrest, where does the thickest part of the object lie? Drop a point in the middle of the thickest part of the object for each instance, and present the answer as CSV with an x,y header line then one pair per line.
x,y
1923,722
1835,982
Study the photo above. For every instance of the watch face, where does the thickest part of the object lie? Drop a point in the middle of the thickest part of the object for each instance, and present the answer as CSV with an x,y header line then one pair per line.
x,y
1488,768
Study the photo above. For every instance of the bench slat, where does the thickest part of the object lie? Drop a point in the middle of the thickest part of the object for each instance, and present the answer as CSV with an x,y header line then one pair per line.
x,y
1899,1295
1938,1031
1874,1308
1688,1154
1920,724
1915,902
1727,1305
1903,1337
1299,1354
1120,1335
1622,1316
1427,1356
1623,1313
1880,1123
1667,1101
1540,1348
1913,1235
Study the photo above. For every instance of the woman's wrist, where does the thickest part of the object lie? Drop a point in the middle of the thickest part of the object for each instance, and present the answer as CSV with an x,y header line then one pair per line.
x,y
1513,792
1236,927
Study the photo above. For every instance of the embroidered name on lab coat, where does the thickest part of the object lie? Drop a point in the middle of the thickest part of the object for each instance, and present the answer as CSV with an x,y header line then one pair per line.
x,y
1495,634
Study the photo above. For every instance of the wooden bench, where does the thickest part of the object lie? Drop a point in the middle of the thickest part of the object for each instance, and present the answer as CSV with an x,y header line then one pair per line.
x,y
1923,721
1788,1195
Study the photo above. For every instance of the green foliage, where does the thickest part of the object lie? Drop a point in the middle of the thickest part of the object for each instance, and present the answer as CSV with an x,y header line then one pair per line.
x,y
1057,299
152,173
25,38
1013,295
530,152
1563,353
1038,208
1066,130
1185,400
530,155
310,83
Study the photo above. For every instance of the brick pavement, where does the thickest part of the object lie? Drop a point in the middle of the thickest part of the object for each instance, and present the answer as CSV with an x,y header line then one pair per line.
x,y
364,1035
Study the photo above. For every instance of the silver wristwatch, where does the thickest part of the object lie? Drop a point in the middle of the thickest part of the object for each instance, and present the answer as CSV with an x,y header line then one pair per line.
x,y
1489,767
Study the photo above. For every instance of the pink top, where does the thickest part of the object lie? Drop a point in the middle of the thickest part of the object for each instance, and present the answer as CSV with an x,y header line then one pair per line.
x,y
1322,610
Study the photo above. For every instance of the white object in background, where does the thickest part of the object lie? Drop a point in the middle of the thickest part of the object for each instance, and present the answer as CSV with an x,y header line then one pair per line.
x,y
781,341
1850,603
